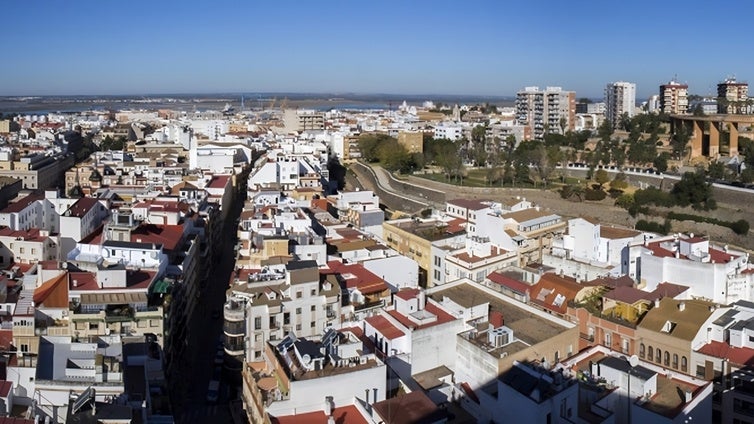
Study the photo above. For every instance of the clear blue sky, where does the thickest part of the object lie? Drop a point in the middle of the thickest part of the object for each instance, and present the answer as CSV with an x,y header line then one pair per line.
x,y
411,47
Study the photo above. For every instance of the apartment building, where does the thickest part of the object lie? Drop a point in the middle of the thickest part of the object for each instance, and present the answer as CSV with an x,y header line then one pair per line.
x,y
620,98
719,274
298,375
36,170
674,98
277,300
551,110
732,96
512,331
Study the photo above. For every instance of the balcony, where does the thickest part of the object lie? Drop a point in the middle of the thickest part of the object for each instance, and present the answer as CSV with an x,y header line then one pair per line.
x,y
235,349
233,312
119,314
234,328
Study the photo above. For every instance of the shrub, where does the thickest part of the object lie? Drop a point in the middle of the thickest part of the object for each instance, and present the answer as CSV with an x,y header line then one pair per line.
x,y
653,227
591,194
625,201
740,227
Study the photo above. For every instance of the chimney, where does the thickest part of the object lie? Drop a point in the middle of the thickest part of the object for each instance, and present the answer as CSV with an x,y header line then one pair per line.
x,y
329,406
682,306
75,283
496,319
689,396
657,302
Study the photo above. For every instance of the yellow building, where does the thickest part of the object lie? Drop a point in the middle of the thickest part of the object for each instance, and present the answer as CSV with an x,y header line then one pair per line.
x,y
413,238
412,141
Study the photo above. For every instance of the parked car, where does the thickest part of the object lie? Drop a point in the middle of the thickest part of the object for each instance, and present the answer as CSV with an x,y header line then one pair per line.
x,y
213,391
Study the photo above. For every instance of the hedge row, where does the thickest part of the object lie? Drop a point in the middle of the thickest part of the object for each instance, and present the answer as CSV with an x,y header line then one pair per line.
x,y
739,227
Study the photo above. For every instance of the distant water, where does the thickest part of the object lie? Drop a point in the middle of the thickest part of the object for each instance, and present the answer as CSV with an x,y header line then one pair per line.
x,y
354,106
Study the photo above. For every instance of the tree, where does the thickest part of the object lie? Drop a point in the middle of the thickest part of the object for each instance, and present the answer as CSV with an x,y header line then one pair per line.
x,y
694,190
716,171
619,182
698,110
747,175
679,140
601,177
605,130
661,162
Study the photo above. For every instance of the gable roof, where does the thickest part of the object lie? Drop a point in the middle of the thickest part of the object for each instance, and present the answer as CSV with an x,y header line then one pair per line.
x,y
53,293
508,282
81,207
684,324
554,292
628,295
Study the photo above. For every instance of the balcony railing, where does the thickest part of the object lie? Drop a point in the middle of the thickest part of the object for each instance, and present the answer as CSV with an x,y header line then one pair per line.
x,y
234,328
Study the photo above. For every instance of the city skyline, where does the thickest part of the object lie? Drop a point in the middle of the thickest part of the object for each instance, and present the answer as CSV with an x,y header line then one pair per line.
x,y
480,49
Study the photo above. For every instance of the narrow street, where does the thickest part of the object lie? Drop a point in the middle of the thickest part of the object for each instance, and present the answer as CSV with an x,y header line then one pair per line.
x,y
197,365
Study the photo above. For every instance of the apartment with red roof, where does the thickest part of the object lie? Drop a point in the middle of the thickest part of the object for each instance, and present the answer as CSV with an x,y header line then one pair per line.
x,y
717,273
415,333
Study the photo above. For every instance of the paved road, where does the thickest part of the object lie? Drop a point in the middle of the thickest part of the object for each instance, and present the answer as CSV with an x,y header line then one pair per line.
x,y
197,365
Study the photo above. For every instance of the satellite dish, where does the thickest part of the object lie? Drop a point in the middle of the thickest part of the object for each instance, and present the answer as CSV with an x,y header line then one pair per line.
x,y
307,359
633,360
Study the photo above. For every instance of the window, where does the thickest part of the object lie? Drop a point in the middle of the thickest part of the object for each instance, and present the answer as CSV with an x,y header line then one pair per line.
x,y
314,292
298,311
658,358
700,371
141,323
258,323
313,324
93,326
154,323
436,274
314,308
608,338
667,358
675,360
21,250
684,364
650,353
298,327
437,261
299,295
24,348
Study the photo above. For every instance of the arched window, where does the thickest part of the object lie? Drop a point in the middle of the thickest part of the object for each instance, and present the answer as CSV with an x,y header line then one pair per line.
x,y
667,358
675,360
684,363
650,353
641,351
658,359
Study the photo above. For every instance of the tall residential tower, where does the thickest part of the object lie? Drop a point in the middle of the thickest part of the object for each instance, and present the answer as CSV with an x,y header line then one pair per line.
x,y
551,110
620,98
674,98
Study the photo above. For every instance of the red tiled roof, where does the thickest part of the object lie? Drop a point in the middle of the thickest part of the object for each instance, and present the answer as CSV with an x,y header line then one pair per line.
x,y
81,207
358,277
167,235
32,234
505,281
408,294
667,290
342,415
456,225
736,355
21,204
550,286
5,387
385,327
218,181
84,281
442,317
469,204
6,339
53,293
628,295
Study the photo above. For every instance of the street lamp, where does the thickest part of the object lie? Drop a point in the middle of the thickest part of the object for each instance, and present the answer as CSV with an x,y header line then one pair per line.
x,y
633,361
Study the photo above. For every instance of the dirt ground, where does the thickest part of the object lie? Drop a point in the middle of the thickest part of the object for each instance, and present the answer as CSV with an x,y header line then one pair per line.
x,y
605,211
